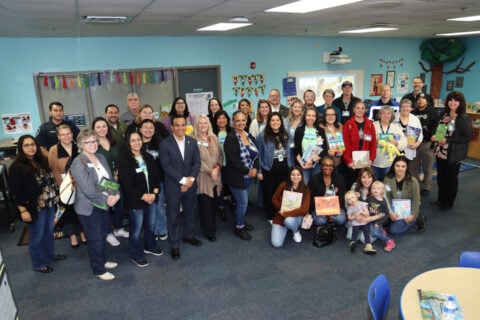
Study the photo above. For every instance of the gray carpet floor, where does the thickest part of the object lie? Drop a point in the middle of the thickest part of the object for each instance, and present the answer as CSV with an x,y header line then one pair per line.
x,y
234,279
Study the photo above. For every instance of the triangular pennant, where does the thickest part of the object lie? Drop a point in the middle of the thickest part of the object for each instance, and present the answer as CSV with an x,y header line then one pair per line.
x,y
79,81
71,82
131,77
119,78
57,82
64,82
45,81
99,78
52,82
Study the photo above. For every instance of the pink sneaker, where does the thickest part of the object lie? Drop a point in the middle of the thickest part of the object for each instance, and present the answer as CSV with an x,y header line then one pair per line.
x,y
390,245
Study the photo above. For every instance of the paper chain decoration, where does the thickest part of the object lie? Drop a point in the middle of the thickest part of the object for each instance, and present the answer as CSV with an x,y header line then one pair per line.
x,y
80,80
249,78
249,90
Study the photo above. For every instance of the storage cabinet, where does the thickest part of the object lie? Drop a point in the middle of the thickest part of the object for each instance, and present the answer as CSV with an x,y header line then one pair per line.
x,y
474,145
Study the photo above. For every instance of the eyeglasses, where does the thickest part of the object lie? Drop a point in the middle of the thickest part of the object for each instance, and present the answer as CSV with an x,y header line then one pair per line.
x,y
90,142
29,145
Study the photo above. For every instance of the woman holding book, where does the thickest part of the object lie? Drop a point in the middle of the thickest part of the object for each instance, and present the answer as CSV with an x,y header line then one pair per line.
x,y
110,148
411,127
34,193
289,218
358,135
402,188
60,157
138,174
91,204
293,121
451,149
272,146
390,138
310,144
327,183
333,130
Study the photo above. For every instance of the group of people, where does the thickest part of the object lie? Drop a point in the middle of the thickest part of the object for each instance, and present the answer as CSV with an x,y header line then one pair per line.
x,y
168,170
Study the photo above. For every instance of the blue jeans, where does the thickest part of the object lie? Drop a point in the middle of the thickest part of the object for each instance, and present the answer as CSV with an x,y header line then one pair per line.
x,y
241,197
400,226
96,227
41,240
376,232
339,219
142,218
380,173
280,232
160,226
116,213
309,173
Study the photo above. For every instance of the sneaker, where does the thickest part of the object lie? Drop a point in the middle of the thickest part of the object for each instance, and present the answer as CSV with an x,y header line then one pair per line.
x,y
297,237
141,263
112,240
353,246
121,233
369,249
390,245
156,252
421,223
163,236
243,234
110,265
106,276
248,226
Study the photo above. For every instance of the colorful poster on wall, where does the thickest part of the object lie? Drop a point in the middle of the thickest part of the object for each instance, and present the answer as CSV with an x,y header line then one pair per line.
x,y
376,81
17,123
402,83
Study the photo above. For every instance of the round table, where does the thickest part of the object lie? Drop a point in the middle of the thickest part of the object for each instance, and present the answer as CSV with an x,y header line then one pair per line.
x,y
463,282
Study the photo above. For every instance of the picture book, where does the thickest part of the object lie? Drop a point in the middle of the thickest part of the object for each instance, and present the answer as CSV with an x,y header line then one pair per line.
x,y
312,151
335,141
432,302
291,200
412,134
402,207
327,206
58,214
386,137
441,132
107,187
361,159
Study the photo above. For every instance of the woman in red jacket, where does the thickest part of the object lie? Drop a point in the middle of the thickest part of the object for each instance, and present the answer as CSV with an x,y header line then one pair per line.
x,y
358,134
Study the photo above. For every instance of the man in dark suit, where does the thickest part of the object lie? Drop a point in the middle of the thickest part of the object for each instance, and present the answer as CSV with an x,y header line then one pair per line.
x,y
274,99
180,160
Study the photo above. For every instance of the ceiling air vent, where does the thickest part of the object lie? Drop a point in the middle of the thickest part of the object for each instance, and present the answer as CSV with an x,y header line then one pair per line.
x,y
106,19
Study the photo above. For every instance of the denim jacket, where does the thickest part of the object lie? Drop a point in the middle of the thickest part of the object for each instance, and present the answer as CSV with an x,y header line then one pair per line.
x,y
266,150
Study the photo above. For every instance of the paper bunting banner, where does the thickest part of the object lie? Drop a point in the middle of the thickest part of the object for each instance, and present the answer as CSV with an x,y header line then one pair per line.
x,y
112,76
71,83
92,80
52,82
99,78
168,75
119,78
85,80
144,77
124,78
155,75
64,82
45,81
57,82
131,77
79,81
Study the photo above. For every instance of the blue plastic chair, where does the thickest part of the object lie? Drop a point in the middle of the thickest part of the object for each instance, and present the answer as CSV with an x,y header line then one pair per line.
x,y
469,259
379,297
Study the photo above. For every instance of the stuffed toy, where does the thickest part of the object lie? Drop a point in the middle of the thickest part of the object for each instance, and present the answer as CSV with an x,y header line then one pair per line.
x,y
388,148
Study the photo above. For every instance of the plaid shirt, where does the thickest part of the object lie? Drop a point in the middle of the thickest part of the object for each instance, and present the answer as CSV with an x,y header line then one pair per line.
x,y
248,154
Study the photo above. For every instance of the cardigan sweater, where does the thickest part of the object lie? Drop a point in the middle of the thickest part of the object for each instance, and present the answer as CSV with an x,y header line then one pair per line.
x,y
277,203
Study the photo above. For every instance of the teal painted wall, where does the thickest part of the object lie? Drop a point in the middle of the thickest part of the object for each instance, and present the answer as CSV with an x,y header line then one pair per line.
x,y
21,58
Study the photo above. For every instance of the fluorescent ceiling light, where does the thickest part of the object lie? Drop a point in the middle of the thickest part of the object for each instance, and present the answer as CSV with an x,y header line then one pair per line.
x,y
466,19
225,26
367,30
105,19
451,34
305,6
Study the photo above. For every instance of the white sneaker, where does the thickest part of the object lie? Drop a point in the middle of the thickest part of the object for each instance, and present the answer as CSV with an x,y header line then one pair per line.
x,y
110,265
112,240
297,237
270,221
121,233
163,236
106,276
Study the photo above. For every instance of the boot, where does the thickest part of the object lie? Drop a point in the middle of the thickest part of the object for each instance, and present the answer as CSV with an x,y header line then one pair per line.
x,y
369,249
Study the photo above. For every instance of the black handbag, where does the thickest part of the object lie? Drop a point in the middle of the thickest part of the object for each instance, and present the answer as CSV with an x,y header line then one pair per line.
x,y
325,235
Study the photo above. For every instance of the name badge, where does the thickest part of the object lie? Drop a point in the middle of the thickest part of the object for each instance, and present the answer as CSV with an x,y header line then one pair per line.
x,y
90,165
367,137
292,145
138,170
280,157
345,113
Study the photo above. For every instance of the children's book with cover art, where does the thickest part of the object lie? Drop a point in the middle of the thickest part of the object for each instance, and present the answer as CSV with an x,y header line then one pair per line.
x,y
441,132
361,159
291,200
412,134
402,207
335,141
312,151
327,206
432,302
109,188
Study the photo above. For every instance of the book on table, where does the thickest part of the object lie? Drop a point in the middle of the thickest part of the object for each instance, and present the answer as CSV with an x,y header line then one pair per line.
x,y
109,188
327,205
291,200
402,207
335,141
361,159
432,303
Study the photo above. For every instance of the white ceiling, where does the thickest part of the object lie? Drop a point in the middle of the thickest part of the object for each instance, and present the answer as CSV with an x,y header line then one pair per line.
x,y
61,18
